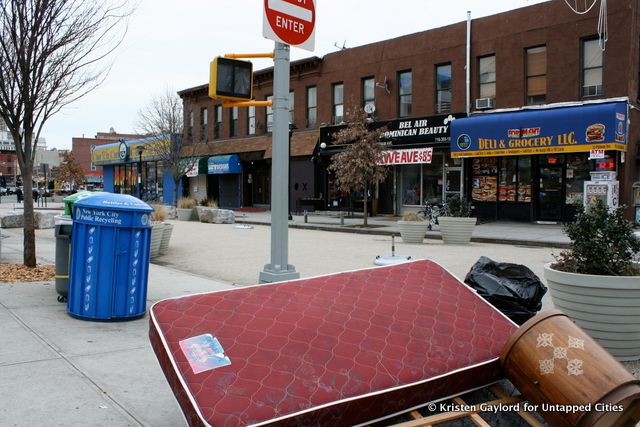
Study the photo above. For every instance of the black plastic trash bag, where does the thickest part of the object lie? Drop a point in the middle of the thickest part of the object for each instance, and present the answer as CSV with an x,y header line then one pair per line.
x,y
511,288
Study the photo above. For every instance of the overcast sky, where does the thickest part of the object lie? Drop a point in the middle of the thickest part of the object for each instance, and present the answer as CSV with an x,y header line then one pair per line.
x,y
170,43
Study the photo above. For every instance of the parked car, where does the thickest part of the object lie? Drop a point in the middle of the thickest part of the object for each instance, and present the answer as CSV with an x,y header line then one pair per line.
x,y
4,191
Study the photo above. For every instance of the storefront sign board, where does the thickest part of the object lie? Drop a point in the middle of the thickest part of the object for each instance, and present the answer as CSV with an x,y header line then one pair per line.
x,y
407,156
601,126
432,130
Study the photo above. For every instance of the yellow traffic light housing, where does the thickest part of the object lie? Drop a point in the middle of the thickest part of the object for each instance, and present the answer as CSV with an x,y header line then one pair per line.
x,y
230,79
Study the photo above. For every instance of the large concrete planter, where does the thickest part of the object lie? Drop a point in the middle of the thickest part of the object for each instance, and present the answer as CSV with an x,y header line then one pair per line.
x,y
607,307
184,214
156,239
166,237
412,231
456,230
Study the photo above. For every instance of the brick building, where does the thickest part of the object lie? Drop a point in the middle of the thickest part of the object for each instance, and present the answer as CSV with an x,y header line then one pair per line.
x,y
529,60
81,148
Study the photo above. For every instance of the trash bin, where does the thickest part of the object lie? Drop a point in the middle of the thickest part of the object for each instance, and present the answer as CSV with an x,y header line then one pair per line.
x,y
109,257
63,224
70,200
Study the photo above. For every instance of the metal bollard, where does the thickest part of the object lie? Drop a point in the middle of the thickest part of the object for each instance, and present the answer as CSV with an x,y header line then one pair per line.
x,y
341,218
305,217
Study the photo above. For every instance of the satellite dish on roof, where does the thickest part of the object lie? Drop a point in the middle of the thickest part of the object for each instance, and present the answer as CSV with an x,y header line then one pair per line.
x,y
370,108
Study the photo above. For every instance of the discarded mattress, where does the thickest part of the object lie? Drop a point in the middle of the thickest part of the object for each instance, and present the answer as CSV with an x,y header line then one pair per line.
x,y
332,350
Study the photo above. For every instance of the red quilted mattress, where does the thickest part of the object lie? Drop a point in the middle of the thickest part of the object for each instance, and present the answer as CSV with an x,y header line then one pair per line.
x,y
333,350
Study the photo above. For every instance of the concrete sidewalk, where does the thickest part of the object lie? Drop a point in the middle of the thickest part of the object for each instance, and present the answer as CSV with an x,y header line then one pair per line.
x,y
60,371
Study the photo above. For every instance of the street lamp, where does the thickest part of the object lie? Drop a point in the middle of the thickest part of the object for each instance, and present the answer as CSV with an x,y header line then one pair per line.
x,y
140,150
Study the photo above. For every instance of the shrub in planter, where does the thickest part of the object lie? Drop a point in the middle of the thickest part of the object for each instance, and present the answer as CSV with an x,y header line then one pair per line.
x,y
597,283
158,216
185,208
602,243
456,223
412,228
204,204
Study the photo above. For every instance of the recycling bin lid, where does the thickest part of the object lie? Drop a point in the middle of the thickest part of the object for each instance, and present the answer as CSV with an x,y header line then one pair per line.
x,y
62,220
79,195
114,202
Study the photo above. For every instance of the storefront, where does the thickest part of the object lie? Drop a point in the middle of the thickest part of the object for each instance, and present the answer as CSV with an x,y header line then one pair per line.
x,y
420,166
532,164
135,167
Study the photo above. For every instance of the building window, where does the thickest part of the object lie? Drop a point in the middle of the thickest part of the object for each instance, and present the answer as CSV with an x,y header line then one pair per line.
x,y
592,65
537,75
269,118
251,120
203,125
487,76
312,106
234,122
292,120
338,103
190,128
443,88
217,130
405,88
368,91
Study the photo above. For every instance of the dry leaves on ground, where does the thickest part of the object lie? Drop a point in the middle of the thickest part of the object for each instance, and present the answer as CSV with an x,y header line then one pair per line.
x,y
21,273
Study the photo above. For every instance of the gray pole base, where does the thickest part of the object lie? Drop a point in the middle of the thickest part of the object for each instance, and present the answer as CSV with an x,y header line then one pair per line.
x,y
268,275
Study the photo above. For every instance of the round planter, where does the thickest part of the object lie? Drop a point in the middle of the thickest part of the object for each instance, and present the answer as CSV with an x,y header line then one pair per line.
x,y
156,239
456,230
184,214
412,231
166,236
607,307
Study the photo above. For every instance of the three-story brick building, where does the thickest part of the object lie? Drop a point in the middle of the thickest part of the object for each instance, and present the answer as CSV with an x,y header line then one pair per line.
x,y
528,59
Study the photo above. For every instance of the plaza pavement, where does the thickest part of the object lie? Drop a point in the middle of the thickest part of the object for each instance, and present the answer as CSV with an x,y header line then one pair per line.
x,y
59,371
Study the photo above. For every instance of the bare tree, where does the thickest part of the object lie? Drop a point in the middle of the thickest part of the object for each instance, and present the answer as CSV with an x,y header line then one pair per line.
x,y
70,170
358,166
163,117
50,56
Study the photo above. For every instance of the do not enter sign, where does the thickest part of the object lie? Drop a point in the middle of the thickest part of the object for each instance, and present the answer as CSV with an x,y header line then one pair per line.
x,y
291,22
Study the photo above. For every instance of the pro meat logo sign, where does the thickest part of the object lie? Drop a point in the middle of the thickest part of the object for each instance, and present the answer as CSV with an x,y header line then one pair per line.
x,y
291,22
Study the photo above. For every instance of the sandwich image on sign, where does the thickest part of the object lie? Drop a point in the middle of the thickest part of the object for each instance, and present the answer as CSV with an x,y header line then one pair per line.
x,y
595,132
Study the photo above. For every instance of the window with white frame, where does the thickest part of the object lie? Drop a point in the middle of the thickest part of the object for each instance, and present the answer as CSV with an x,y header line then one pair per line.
x,y
251,120
592,67
368,91
405,93
487,76
218,127
536,75
312,106
338,103
234,122
443,88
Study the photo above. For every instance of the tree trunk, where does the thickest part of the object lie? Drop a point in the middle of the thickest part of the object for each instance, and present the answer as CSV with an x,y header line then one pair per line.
x,y
365,200
29,256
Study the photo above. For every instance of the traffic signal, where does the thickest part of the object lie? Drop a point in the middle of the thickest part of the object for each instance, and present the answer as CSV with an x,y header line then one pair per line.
x,y
230,79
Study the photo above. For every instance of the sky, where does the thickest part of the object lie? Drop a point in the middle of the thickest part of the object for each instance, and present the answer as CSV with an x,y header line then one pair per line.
x,y
169,44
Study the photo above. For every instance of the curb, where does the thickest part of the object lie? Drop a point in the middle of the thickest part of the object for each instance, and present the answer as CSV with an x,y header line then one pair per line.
x,y
379,232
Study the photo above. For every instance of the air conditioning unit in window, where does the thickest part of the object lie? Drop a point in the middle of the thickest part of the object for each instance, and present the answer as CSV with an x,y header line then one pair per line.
x,y
485,103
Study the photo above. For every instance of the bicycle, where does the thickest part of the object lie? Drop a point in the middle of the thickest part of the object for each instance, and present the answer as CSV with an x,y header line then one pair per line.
x,y
432,210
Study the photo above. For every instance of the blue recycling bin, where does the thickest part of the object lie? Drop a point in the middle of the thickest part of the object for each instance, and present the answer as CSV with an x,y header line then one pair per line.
x,y
109,257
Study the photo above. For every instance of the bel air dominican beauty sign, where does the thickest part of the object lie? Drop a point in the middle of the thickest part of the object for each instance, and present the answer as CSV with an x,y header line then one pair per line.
x,y
588,127
292,22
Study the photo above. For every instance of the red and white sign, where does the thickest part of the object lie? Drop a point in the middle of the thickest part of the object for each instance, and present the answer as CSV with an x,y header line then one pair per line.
x,y
290,21
597,153
406,157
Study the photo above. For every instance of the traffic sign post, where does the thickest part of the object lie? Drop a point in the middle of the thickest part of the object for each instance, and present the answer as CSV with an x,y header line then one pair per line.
x,y
279,269
292,22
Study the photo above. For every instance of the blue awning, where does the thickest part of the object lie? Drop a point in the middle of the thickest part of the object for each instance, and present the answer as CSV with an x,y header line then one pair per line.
x,y
224,164
543,130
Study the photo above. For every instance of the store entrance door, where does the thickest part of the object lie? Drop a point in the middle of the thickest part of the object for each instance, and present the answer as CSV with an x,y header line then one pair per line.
x,y
551,190
453,182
